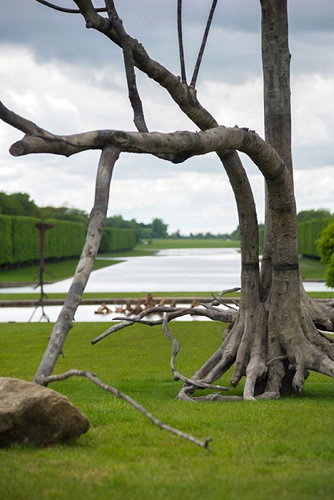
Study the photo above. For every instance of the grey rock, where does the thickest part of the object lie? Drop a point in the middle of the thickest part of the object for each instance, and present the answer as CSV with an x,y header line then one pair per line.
x,y
34,415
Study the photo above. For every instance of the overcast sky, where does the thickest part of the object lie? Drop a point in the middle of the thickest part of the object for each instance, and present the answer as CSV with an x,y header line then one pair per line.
x,y
69,79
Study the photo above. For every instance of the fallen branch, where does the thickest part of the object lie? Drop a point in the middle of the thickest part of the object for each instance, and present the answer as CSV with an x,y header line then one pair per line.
x,y
174,312
176,374
121,395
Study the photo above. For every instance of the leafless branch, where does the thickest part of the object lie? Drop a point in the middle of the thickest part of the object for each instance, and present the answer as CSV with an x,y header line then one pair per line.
x,y
176,348
121,395
180,39
129,66
173,313
64,9
65,319
17,121
204,40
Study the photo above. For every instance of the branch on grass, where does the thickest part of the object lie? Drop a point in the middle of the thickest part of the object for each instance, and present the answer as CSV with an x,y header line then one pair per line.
x,y
173,312
121,395
176,374
170,314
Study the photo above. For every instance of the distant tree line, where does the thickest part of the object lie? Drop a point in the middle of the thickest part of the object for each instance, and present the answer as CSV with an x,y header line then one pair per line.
x,y
155,229
22,204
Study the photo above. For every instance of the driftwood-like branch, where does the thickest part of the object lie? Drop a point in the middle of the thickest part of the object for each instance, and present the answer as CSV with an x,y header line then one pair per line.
x,y
190,144
17,121
64,9
84,268
176,374
180,40
184,96
203,44
173,313
186,99
121,395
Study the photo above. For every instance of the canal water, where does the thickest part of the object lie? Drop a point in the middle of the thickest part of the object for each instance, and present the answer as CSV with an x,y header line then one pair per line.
x,y
179,270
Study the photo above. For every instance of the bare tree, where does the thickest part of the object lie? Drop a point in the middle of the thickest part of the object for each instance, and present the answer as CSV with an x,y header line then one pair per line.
x,y
274,338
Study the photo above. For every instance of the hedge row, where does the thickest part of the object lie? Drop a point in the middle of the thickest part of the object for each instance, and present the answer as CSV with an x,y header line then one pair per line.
x,y
115,238
19,239
309,233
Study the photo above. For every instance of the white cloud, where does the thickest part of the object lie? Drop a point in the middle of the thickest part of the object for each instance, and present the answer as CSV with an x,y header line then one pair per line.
x,y
194,197
313,110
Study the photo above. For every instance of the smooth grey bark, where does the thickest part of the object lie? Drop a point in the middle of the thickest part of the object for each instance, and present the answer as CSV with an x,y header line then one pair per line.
x,y
272,335
65,319
186,99
277,106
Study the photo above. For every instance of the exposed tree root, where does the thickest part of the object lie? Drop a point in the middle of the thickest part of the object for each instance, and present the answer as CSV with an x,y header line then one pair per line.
x,y
273,353
322,313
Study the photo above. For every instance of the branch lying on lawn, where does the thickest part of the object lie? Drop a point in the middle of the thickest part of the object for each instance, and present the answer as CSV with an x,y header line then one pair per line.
x,y
170,314
93,378
176,374
173,312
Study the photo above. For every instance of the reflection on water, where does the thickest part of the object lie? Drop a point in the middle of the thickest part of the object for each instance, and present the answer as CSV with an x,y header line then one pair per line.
x,y
169,270
84,313
177,270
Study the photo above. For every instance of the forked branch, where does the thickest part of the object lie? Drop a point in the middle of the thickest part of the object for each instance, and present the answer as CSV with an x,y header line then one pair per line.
x,y
121,395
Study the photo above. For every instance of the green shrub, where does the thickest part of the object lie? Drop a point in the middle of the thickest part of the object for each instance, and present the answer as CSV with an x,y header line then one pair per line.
x,y
114,239
325,247
309,233
6,246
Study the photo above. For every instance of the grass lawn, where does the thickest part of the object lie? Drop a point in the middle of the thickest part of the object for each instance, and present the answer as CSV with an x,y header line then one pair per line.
x,y
103,295
260,450
312,269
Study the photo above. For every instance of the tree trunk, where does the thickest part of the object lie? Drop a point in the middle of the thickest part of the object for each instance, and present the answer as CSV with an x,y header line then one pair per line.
x,y
273,336
277,109
65,319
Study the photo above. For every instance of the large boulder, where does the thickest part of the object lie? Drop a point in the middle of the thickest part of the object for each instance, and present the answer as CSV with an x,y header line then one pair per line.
x,y
32,414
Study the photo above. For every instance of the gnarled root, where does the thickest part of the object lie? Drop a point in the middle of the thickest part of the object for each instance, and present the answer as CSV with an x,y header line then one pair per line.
x,y
274,356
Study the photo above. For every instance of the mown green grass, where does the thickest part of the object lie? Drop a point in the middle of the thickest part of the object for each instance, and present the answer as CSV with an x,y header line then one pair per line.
x,y
260,450
312,269
125,295
55,271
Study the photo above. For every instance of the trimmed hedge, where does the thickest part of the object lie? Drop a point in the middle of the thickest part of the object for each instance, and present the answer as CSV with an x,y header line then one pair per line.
x,y
308,234
19,239
115,238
